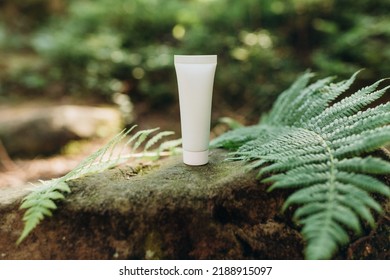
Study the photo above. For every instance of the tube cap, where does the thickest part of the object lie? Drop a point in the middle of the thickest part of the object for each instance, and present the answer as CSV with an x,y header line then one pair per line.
x,y
195,158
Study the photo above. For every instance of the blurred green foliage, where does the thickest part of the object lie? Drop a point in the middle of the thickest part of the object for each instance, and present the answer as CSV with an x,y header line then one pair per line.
x,y
102,47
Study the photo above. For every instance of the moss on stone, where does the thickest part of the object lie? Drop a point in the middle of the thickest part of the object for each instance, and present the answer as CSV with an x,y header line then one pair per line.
x,y
216,211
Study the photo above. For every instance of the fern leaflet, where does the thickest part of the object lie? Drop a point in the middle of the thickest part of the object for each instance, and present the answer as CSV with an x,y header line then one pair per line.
x,y
315,146
42,201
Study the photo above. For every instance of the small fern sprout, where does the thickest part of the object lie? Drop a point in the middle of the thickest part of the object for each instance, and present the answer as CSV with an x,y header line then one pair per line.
x,y
41,202
317,146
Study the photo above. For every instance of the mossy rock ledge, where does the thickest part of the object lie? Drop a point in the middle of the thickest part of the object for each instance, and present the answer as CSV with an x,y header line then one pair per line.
x,y
216,211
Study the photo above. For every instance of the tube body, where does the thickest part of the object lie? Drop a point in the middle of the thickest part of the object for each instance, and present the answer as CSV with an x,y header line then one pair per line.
x,y
195,79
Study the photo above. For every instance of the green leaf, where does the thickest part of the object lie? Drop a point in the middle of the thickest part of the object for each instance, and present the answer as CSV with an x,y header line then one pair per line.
x,y
316,147
370,165
140,137
42,201
157,138
364,182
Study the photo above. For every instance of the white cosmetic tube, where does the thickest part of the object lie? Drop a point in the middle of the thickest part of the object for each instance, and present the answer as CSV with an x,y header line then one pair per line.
x,y
195,79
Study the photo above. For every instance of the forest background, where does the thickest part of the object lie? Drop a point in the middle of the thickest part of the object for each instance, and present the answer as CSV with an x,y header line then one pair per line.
x,y
120,52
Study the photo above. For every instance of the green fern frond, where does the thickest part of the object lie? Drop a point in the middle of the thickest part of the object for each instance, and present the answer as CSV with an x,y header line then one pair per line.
x,y
42,200
348,106
315,147
157,138
235,138
369,165
170,146
40,203
140,137
282,103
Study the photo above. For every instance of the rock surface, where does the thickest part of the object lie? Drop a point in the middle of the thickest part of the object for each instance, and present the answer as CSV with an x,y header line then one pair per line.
x,y
31,131
217,211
